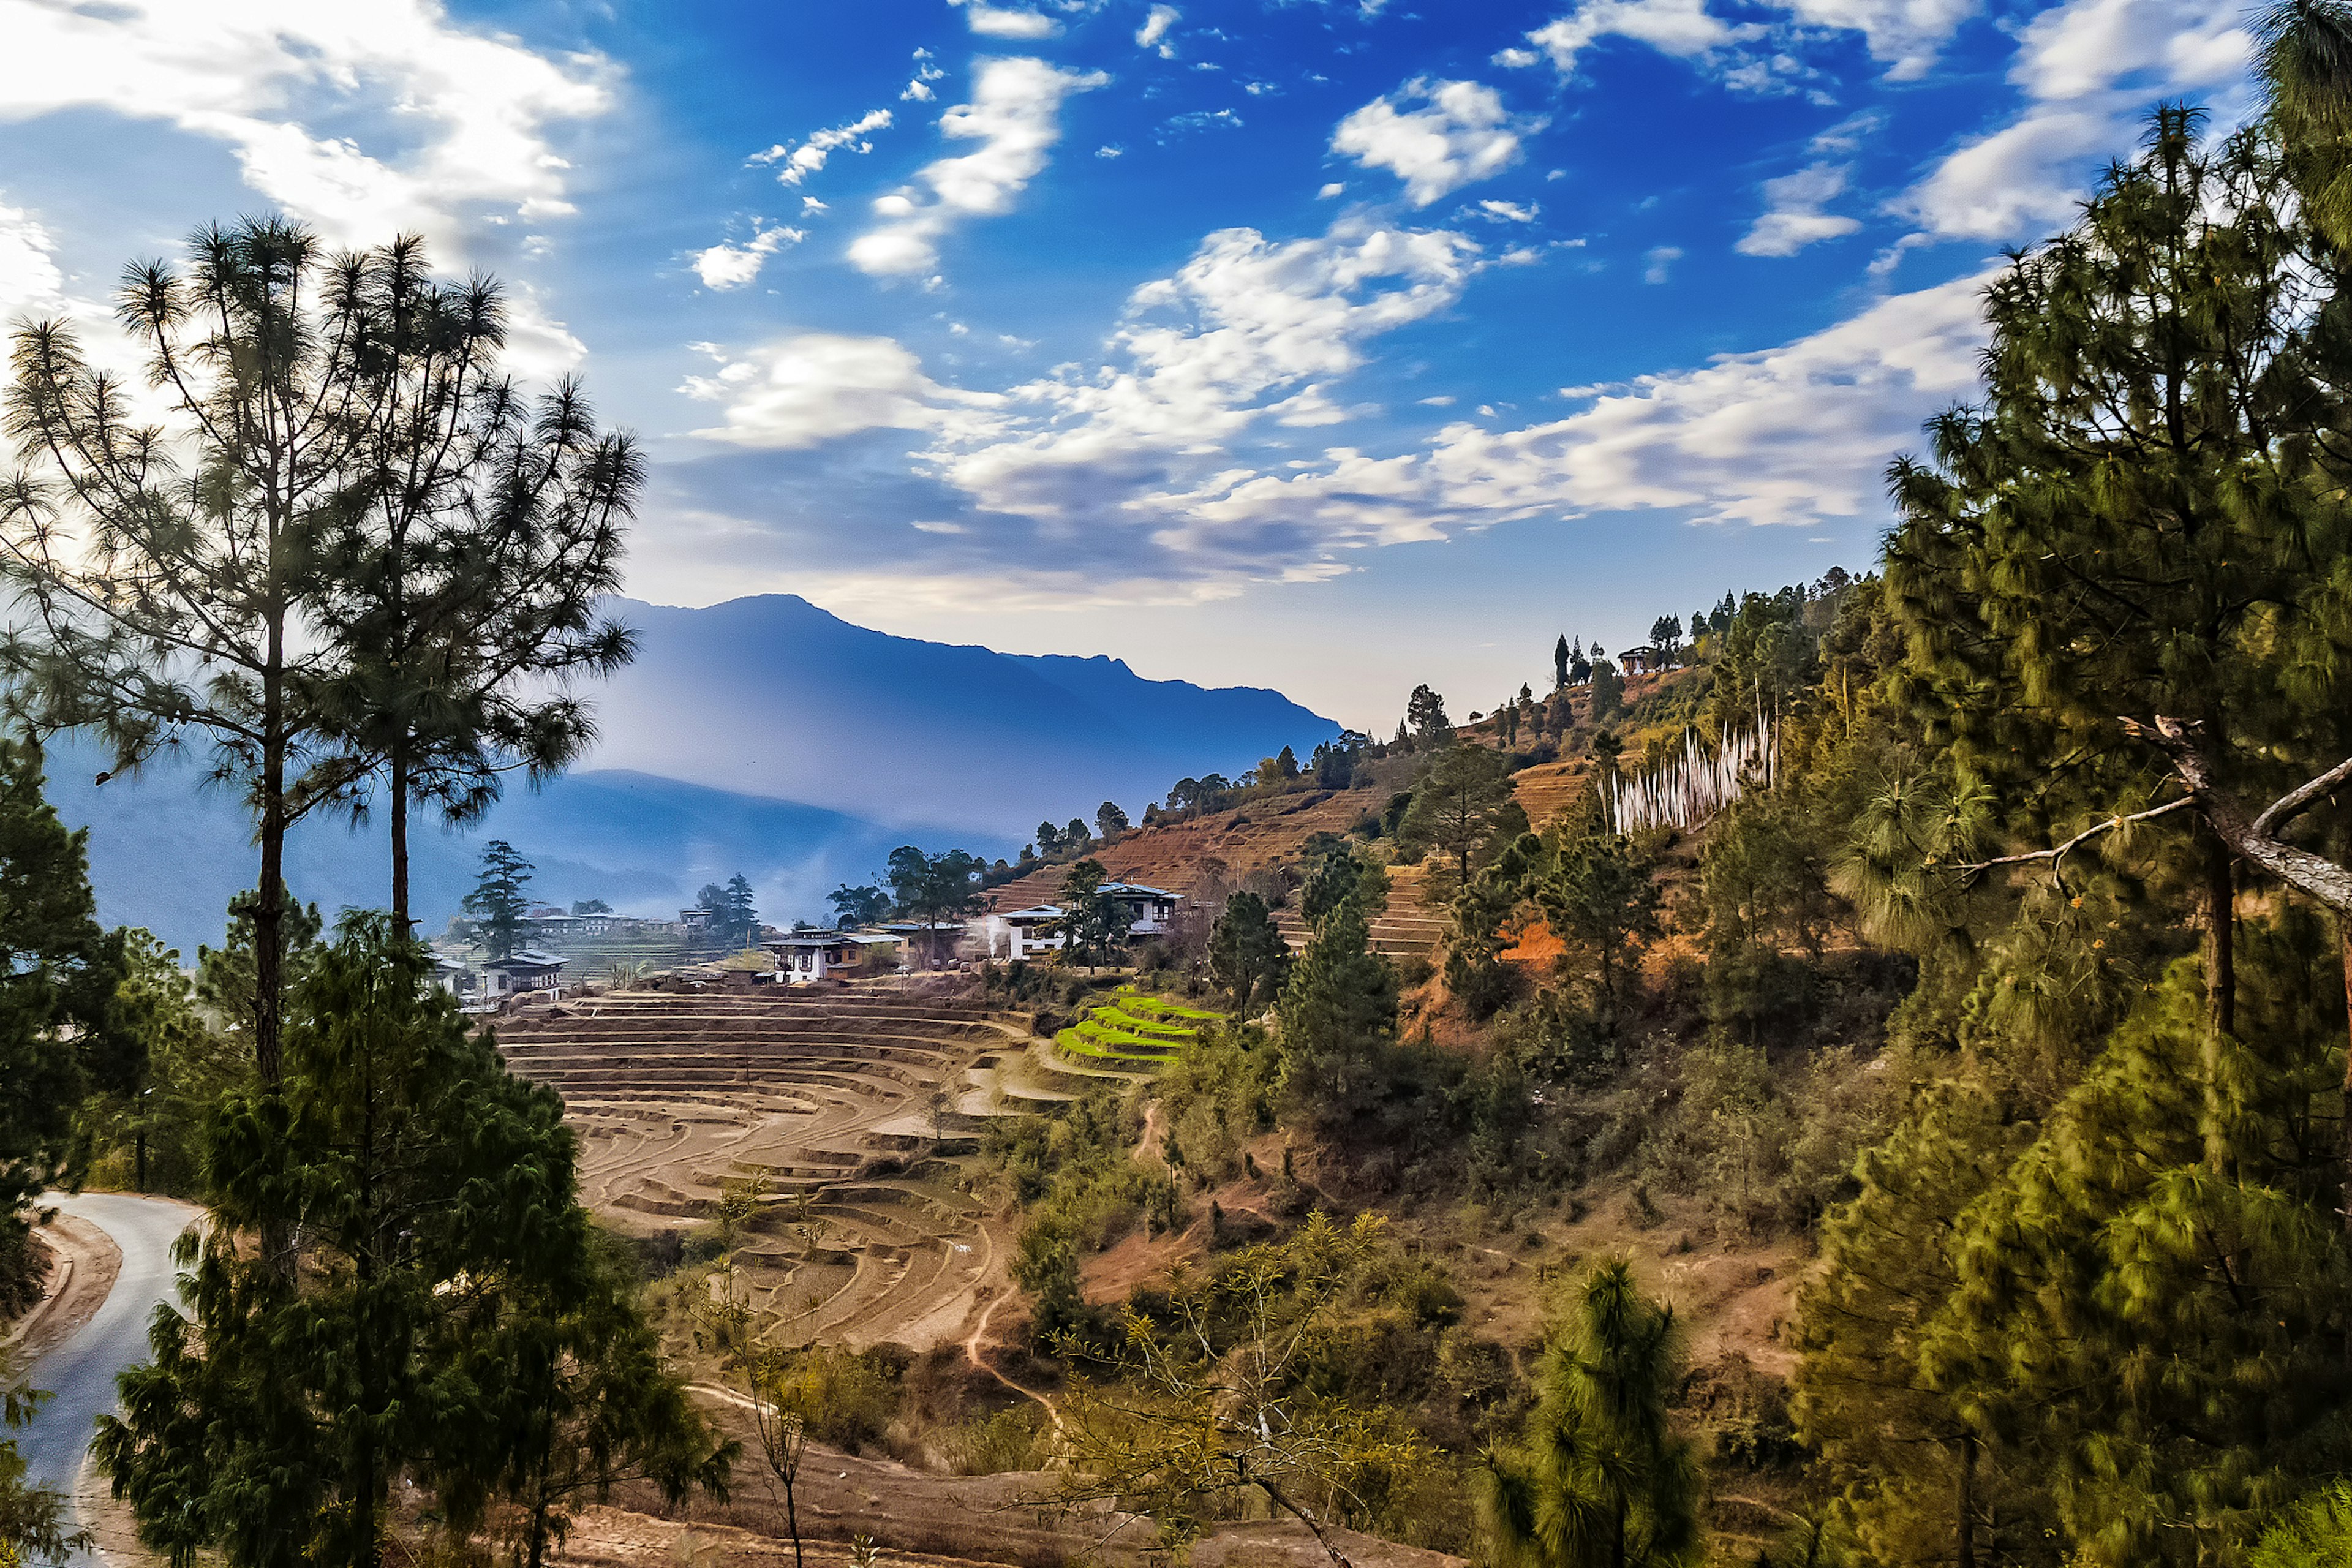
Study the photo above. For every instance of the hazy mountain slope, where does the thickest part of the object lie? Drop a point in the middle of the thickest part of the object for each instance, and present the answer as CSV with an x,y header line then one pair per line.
x,y
772,695
168,853
765,736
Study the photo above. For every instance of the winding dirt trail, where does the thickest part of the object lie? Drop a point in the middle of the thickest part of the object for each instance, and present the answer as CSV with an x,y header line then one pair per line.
x,y
971,1353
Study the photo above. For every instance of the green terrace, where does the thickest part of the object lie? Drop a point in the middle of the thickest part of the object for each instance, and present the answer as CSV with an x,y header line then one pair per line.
x,y
1133,1030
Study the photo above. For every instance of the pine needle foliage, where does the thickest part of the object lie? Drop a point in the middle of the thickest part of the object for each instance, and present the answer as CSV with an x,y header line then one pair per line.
x,y
1601,1478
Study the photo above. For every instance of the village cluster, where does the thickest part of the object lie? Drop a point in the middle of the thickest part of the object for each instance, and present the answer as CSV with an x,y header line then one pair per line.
x,y
802,956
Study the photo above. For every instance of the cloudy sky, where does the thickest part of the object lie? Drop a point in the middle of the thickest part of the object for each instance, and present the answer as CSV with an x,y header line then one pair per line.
x,y
1332,346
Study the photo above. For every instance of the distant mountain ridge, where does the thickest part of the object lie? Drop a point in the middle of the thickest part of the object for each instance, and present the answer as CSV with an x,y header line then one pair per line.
x,y
772,695
764,735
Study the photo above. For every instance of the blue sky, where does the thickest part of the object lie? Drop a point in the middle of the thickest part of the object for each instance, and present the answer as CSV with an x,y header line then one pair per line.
x,y
1327,346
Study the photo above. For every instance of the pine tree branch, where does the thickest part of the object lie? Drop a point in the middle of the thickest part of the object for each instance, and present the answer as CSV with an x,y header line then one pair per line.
x,y
2255,838
2057,855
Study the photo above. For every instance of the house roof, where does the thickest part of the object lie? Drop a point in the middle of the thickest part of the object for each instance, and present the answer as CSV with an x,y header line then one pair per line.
x,y
832,939
1037,913
1137,888
527,958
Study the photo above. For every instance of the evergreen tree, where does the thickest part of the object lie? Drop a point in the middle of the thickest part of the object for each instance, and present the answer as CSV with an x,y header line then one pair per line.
x,y
1337,1019
1074,836
1465,803
1608,692
1049,838
1248,960
1424,711
1559,658
1913,1479
1474,972
1601,1478
742,912
1600,900
1093,923
442,1250
2099,1327
1286,763
2141,521
34,1520
460,579
1666,636
500,898
1110,821
255,350
61,1033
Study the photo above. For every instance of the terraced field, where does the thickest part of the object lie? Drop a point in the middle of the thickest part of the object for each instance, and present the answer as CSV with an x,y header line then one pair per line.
x,y
1132,1033
1401,930
845,1110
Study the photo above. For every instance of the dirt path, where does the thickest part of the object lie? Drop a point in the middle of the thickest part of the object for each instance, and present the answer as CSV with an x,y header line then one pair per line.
x,y
1147,1147
971,1353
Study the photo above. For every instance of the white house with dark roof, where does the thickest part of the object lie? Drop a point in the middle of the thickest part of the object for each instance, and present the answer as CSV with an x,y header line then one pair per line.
x,y
526,971
1026,933
808,955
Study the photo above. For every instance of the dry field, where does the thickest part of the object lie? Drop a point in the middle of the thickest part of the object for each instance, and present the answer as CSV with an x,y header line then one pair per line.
x,y
847,1106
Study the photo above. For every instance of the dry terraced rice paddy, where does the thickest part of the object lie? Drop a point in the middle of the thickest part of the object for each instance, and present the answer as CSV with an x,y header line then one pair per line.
x,y
847,1107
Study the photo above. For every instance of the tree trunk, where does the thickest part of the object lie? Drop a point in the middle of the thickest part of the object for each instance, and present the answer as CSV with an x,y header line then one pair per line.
x,y
2344,939
2218,915
793,1523
399,790
269,900
1965,1526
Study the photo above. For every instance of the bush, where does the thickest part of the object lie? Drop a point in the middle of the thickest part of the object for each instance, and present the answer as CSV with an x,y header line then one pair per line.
x,y
1013,1440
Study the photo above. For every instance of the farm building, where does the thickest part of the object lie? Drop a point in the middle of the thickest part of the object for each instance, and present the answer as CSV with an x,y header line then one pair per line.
x,y
809,955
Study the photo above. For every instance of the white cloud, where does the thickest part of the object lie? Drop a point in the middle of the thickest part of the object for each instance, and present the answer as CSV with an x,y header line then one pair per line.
x,y
1903,35
1682,29
1508,212
1110,150
1792,216
732,266
1461,134
1661,261
1153,34
799,391
1014,115
1335,188
30,282
810,204
1248,330
992,22
2088,70
809,157
472,109
1791,435
1515,58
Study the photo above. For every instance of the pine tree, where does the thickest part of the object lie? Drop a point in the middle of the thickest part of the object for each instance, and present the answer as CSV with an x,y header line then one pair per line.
x,y
1337,1018
1913,1479
742,911
1464,804
1559,658
254,351
1600,900
462,575
1601,1478
500,898
1093,923
2141,521
1247,958
61,1033
2104,1326
444,1253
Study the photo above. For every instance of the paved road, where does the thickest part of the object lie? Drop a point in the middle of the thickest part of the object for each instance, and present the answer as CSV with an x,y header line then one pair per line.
x,y
79,1373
